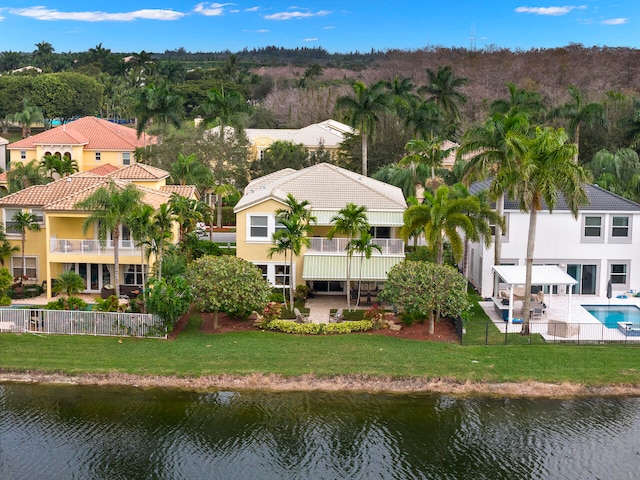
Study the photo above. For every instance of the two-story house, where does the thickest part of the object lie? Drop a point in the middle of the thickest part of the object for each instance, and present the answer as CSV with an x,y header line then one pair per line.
x,y
328,189
599,246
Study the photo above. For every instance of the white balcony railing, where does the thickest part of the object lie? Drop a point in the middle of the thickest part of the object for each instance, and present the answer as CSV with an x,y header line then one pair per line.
x,y
91,247
389,246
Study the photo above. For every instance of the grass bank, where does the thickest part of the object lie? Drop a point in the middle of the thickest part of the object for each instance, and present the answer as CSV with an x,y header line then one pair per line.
x,y
195,355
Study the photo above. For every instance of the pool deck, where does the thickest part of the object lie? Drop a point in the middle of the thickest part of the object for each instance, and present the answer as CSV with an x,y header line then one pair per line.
x,y
590,328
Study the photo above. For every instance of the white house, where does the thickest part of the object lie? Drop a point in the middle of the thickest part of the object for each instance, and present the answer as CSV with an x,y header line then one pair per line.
x,y
595,248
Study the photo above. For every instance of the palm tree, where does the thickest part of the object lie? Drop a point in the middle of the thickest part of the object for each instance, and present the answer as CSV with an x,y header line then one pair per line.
x,y
443,90
362,110
519,101
545,170
293,233
110,208
188,170
424,120
402,96
160,236
140,223
350,221
363,246
70,283
21,223
576,113
223,109
188,212
490,152
158,103
29,115
21,176
402,177
425,152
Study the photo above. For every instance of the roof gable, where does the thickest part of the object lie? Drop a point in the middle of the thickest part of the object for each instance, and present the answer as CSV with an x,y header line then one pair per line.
x,y
139,171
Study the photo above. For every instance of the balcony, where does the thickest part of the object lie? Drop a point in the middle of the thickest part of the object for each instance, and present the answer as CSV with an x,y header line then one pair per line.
x,y
68,246
389,246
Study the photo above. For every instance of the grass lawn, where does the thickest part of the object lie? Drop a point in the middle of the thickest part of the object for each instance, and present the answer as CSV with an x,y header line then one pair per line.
x,y
196,354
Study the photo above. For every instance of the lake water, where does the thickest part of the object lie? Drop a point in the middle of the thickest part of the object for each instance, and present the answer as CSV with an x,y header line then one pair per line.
x,y
70,432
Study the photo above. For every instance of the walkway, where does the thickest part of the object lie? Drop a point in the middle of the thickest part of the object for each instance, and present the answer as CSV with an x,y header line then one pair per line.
x,y
320,306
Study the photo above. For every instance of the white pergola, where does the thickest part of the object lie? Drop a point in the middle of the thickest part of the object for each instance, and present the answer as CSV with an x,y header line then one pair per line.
x,y
514,275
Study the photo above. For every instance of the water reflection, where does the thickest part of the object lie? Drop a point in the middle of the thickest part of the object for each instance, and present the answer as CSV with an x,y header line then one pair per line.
x,y
124,433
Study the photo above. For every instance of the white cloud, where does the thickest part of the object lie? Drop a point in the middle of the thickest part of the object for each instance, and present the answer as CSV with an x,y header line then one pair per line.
x,y
311,39
330,27
43,13
211,9
252,9
555,11
296,15
263,30
616,21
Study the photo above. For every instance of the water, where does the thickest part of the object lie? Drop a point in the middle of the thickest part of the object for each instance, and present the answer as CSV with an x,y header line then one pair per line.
x,y
69,432
610,315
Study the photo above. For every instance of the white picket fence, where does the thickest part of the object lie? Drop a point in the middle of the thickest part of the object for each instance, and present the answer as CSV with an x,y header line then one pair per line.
x,y
81,322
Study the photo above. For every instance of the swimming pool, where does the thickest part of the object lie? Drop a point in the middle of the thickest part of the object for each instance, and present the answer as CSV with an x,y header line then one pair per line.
x,y
610,315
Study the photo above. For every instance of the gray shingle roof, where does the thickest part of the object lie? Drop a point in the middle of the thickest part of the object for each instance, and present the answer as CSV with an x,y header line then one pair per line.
x,y
599,200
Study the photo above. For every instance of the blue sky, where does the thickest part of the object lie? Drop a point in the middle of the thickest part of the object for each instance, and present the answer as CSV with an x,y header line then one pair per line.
x,y
159,25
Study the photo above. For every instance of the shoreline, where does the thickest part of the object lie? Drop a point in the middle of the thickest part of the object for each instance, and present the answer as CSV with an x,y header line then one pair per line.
x,y
356,384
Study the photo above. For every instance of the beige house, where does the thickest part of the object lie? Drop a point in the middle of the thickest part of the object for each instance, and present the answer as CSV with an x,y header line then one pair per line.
x,y
90,141
328,189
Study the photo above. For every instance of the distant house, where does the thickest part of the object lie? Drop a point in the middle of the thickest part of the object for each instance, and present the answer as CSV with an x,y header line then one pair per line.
x,y
599,246
328,189
90,141
3,153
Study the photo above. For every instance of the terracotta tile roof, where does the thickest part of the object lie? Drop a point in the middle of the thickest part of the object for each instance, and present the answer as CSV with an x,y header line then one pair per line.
x,y
41,195
3,177
188,191
103,170
94,133
139,171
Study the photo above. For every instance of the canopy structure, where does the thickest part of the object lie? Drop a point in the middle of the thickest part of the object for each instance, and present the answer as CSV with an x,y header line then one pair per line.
x,y
515,275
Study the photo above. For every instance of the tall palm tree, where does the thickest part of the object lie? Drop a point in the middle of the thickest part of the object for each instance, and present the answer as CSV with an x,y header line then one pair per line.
x,y
26,117
425,152
545,170
576,112
224,109
21,176
490,152
425,120
295,227
350,221
443,88
110,209
405,177
23,222
141,224
519,101
362,110
363,246
402,96
157,103
188,212
188,170
160,236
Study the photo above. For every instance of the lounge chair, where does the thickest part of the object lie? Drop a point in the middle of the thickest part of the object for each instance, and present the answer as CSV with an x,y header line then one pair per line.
x,y
300,317
338,316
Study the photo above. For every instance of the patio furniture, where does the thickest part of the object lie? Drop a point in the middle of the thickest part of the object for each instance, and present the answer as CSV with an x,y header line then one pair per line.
x,y
338,316
300,317
559,328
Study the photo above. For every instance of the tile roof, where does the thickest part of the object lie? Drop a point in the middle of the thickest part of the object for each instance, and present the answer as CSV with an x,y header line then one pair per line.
x,y
326,187
103,170
94,133
188,191
599,200
139,171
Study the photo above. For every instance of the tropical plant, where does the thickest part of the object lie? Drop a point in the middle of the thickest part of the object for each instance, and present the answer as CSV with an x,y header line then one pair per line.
x,y
110,209
21,176
443,89
159,104
70,283
520,101
141,225
545,170
350,221
169,299
188,212
26,117
160,236
422,288
617,172
362,111
6,249
6,279
223,109
23,222
227,284
425,152
364,247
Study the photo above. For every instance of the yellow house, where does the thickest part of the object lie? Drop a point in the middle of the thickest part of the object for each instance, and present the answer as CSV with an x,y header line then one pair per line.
x,y
327,188
61,245
90,141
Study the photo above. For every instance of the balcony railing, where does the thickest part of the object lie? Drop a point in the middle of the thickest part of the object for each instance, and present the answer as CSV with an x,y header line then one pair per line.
x,y
91,247
389,246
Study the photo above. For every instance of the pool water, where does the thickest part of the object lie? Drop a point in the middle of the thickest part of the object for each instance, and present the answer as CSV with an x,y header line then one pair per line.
x,y
610,315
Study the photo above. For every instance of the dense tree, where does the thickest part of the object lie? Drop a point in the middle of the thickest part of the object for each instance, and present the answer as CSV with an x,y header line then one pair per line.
x,y
617,172
227,284
159,104
280,154
110,208
22,222
224,109
26,117
6,249
23,175
169,299
362,111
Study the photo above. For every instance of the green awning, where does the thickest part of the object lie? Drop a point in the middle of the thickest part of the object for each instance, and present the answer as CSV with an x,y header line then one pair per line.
x,y
334,267
374,218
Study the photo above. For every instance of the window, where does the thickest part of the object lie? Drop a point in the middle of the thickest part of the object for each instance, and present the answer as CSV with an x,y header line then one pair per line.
x,y
618,274
261,154
281,275
126,158
620,229
265,271
592,228
9,224
31,270
23,154
259,226
133,276
380,232
98,156
39,214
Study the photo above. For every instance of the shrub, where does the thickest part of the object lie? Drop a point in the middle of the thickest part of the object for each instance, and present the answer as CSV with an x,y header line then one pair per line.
x,y
67,303
109,304
302,292
5,300
288,326
375,315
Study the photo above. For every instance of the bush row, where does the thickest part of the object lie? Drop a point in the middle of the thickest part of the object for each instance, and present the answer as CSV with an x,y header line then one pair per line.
x,y
288,326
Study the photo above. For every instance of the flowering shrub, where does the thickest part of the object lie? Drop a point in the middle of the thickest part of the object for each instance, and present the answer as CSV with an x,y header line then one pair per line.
x,y
273,311
288,326
375,315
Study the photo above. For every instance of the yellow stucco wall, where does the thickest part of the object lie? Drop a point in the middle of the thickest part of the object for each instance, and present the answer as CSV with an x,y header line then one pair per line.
x,y
86,158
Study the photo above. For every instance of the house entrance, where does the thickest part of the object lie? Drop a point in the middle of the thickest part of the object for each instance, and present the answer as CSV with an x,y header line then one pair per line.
x,y
586,275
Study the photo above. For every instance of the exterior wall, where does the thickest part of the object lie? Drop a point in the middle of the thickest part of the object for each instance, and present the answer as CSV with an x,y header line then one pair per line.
x,y
106,156
560,241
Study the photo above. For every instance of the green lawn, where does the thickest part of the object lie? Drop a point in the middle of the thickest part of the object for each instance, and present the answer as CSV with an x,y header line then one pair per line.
x,y
196,354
